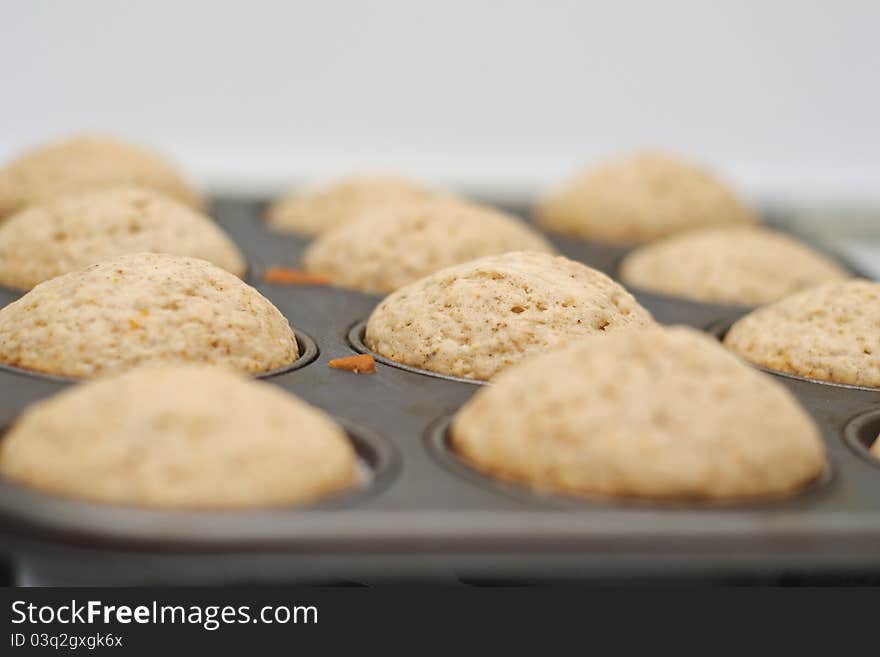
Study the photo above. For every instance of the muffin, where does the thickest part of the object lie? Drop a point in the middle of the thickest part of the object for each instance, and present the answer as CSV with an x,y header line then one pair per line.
x,y
67,234
87,163
313,212
663,414
875,448
388,248
640,198
745,266
827,333
474,319
179,436
141,308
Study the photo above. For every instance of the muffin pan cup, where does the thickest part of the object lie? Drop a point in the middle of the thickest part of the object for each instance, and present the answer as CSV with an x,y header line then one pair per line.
x,y
419,517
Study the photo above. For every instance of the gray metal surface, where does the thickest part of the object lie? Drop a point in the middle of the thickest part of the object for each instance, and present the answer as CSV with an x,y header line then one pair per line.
x,y
424,515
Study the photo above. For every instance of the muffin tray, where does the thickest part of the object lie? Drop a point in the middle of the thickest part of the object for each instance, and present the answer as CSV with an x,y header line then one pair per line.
x,y
421,513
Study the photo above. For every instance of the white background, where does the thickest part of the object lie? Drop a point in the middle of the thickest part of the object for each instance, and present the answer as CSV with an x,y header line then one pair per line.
x,y
782,96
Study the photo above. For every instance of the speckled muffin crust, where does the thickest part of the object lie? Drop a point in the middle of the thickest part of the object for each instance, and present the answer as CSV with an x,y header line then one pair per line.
x,y
639,198
179,436
827,333
141,308
314,211
386,249
745,266
664,414
67,234
87,163
477,318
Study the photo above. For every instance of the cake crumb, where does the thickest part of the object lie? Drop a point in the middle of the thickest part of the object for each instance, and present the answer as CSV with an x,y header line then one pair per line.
x,y
360,364
289,276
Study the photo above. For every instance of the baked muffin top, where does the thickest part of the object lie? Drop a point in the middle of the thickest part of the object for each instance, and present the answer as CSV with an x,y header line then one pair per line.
x,y
387,248
827,333
474,319
322,208
141,308
660,413
745,266
179,436
56,237
86,163
639,198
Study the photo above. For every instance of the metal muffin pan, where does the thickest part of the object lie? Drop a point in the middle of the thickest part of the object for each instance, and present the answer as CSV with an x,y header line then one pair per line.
x,y
423,517
356,340
862,432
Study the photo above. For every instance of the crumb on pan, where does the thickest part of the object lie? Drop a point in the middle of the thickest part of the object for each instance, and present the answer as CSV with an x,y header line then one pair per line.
x,y
360,364
290,276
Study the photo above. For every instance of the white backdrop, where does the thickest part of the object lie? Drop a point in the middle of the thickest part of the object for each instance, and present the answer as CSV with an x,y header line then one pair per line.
x,y
783,96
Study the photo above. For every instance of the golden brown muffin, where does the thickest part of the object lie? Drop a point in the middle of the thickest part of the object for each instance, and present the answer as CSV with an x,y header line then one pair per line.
x,y
385,249
86,163
141,308
745,266
179,436
64,235
475,319
326,207
664,414
639,198
827,333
